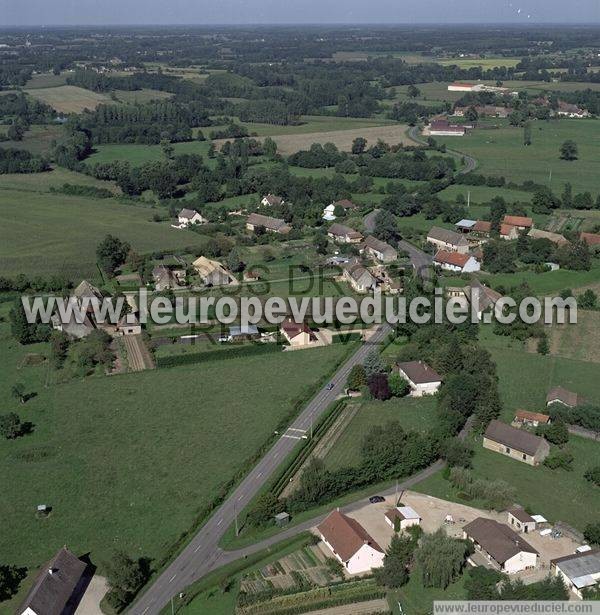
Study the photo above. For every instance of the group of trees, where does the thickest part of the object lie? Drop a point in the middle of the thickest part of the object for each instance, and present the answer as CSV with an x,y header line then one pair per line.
x,y
21,161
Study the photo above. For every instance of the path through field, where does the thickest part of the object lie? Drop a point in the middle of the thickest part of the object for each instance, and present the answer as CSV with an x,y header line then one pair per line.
x,y
138,356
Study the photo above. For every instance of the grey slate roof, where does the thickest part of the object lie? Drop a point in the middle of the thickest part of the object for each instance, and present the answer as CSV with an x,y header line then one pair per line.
x,y
579,564
517,439
497,539
419,372
447,236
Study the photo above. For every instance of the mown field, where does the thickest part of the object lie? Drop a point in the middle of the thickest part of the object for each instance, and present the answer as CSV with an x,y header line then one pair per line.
x,y
485,63
139,154
37,140
121,474
47,234
68,98
501,153
525,379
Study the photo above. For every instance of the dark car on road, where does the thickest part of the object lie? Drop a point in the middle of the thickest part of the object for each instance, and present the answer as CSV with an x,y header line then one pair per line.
x,y
376,499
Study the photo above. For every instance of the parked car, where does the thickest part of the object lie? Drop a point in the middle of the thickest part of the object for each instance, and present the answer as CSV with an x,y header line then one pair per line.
x,y
376,499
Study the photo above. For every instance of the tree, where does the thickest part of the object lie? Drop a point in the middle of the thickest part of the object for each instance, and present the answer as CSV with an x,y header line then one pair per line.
x,y
555,432
527,134
11,426
59,347
451,359
456,453
569,150
481,582
125,576
167,148
471,114
270,148
18,392
266,507
413,91
396,561
357,378
373,364
234,261
379,387
592,533
386,228
593,475
321,244
543,347
10,578
359,145
15,132
112,253
399,387
567,196
441,559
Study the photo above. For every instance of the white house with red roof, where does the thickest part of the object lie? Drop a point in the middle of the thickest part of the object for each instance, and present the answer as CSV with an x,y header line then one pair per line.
x,y
456,262
297,334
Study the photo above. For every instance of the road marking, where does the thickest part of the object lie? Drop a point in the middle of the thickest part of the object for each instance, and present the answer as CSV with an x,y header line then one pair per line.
x,y
259,475
296,429
172,578
145,610
292,437
220,521
240,498
197,548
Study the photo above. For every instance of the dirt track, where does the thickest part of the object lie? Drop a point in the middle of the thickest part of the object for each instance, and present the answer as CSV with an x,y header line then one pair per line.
x,y
138,356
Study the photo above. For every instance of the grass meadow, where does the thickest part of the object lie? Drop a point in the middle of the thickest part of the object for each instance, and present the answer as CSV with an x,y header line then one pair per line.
x,y
68,98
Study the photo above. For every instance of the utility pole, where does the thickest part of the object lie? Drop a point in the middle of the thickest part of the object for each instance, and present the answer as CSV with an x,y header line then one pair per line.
x,y
172,609
550,177
396,495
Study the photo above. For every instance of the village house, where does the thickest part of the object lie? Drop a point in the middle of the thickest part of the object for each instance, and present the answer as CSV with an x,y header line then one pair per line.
x,y
239,333
166,278
58,587
526,418
345,204
129,325
270,200
84,295
556,238
451,241
481,297
559,395
515,443
523,223
578,571
350,543
272,225
443,128
456,262
483,228
379,250
571,111
423,380
503,548
520,519
297,334
212,273
343,234
187,217
359,277
402,517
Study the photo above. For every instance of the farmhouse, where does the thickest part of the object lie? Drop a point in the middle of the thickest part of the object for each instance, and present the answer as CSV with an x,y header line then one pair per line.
x,y
350,543
243,332
481,297
520,519
578,571
465,225
450,241
85,290
166,279
530,419
271,200
515,443
454,261
129,325
592,239
402,517
571,111
423,380
502,547
187,217
297,334
521,222
329,213
212,273
483,228
272,225
359,278
443,128
344,234
380,250
54,590
558,395
556,238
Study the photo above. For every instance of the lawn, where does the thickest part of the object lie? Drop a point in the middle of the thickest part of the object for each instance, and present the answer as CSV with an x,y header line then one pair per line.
x,y
484,194
122,473
37,244
412,414
501,152
42,182
68,98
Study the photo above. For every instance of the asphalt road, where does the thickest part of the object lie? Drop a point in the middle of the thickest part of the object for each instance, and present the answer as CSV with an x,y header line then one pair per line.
x,y
203,554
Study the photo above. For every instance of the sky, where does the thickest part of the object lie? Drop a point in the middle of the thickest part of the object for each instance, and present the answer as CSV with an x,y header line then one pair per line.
x,y
210,12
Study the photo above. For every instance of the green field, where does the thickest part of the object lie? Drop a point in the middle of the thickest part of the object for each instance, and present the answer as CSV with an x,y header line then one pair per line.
x,y
501,152
59,233
37,140
484,194
46,80
141,96
119,473
68,98
137,155
485,63
42,182
412,414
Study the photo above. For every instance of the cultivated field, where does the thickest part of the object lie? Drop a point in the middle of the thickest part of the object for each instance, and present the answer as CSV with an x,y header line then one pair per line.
x,y
141,96
35,240
119,473
46,80
291,143
579,341
69,98
37,140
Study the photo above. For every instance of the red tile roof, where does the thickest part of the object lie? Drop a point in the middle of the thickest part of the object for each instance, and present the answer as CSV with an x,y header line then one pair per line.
x,y
293,329
518,221
482,226
526,415
452,258
345,535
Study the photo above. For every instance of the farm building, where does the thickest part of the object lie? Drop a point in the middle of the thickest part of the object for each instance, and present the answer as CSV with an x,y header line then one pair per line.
x,y
559,395
212,273
341,233
556,238
166,278
380,250
443,128
483,228
350,543
515,443
272,225
359,278
402,517
54,592
521,222
129,325
520,519
571,111
578,571
502,547
444,239
530,419
456,262
423,380
459,86
465,225
243,332
481,297
271,200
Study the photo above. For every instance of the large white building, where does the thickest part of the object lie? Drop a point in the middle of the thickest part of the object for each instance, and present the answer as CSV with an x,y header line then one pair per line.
x,y
350,543
423,380
578,571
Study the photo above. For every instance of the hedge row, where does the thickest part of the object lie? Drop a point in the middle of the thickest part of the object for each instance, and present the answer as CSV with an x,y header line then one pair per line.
x,y
217,355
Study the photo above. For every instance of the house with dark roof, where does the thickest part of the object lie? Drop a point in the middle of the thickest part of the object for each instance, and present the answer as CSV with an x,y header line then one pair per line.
x,y
520,519
503,548
350,543
187,217
272,225
423,380
515,443
57,588
359,277
481,297
379,250
340,233
559,395
450,241
297,334
443,128
578,571
271,200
